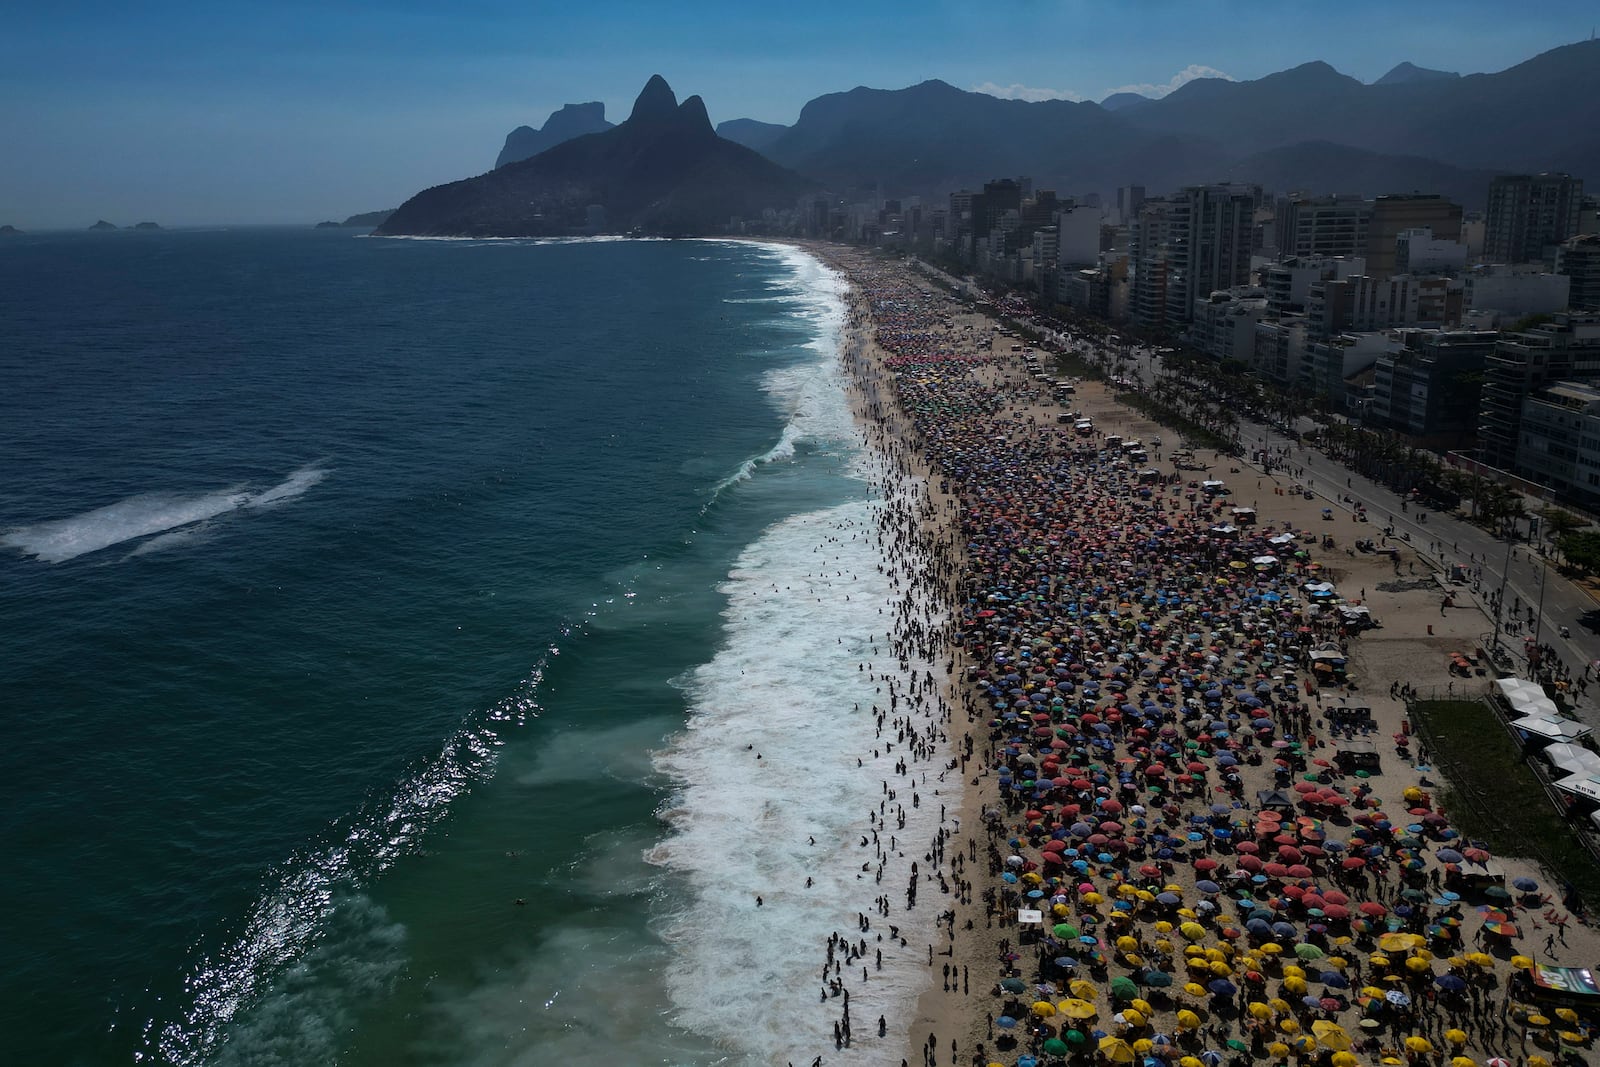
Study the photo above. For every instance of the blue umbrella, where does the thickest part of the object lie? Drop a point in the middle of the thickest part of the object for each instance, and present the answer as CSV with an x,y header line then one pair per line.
x,y
1335,980
1450,983
1005,1022
1208,887
1527,885
1222,987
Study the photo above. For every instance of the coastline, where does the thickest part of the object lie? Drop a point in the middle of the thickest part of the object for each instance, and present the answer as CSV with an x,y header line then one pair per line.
x,y
957,1026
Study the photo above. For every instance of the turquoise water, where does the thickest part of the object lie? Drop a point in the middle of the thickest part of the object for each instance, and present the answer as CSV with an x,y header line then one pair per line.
x,y
355,590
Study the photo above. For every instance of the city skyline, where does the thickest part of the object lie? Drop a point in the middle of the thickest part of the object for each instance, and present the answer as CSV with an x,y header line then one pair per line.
x,y
190,114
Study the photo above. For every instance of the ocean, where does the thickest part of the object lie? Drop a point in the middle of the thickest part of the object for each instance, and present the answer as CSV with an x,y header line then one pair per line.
x,y
426,652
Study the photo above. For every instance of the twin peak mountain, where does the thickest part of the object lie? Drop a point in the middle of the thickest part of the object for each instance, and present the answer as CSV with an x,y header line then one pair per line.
x,y
663,171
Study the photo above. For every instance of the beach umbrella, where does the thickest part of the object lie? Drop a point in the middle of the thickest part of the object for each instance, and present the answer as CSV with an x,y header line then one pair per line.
x,y
1043,1009
1456,1037
1417,1043
1077,1008
1013,985
1055,1047
1331,1035
1123,988
1116,1050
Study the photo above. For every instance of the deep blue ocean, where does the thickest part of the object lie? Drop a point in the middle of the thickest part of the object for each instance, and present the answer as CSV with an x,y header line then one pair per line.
x,y
384,623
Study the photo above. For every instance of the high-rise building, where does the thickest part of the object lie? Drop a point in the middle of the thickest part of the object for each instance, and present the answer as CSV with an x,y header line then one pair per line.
x,y
1210,244
1568,347
1322,226
1579,259
1129,197
1529,213
1394,215
1150,237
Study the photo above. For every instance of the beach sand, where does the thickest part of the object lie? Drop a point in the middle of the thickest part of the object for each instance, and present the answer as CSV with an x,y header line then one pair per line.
x,y
955,1016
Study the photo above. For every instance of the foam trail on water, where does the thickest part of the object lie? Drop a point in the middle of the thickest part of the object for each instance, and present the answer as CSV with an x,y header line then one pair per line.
x,y
139,516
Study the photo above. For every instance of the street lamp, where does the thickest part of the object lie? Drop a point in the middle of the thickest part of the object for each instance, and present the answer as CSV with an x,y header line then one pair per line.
x,y
1535,657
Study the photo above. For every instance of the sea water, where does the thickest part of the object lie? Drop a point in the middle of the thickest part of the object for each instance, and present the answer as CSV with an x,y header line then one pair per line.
x,y
427,651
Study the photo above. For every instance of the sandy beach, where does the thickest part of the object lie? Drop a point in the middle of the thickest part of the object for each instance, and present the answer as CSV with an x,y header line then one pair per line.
x,y
1147,756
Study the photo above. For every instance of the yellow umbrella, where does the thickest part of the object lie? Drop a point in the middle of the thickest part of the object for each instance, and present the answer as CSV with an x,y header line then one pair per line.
x,y
1145,896
1220,969
1133,959
1331,1035
1297,986
1061,911
1538,1061
1074,1008
1143,1045
1194,989
1337,963
1188,913
1082,990
1397,942
1378,959
1391,1061
1412,793
1521,963
1116,1050
1566,1015
1188,1020
1419,951
1141,1006
1271,948
1463,1061
1043,1009
1197,963
1127,944
1032,878
1416,964
1093,899
1371,991
1163,927
1538,1020
1132,1018
1190,1061
1277,1048
1278,1004
1127,889
1572,1038
1164,945
1456,1037
1192,931
1288,1026
1293,971
1258,1010
1419,1044
1345,1059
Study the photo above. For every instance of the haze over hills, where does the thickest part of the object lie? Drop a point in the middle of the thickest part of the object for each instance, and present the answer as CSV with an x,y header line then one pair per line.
x,y
663,171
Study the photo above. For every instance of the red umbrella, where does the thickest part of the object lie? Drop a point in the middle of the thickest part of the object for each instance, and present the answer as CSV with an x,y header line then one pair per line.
x,y
1351,863
1372,908
1299,870
1336,911
1247,846
1333,896
1249,863
1205,863
1288,853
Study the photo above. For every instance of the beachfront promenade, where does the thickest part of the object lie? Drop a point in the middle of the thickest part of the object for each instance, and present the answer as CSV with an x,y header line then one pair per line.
x,y
1159,857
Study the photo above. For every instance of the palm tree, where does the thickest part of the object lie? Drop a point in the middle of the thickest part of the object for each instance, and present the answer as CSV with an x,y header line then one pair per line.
x,y
1558,523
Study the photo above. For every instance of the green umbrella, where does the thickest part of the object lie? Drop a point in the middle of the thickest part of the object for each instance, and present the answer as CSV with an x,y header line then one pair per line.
x,y
1055,1047
1237,1045
1157,979
1066,930
1075,1037
1013,985
1122,988
1308,952
1363,774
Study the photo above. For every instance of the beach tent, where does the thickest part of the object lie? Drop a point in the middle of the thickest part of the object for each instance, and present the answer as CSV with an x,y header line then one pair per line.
x,y
1570,758
1526,698
1583,784
1281,539
1551,729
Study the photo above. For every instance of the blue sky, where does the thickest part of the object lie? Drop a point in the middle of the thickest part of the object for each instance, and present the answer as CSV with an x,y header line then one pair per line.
x,y
188,113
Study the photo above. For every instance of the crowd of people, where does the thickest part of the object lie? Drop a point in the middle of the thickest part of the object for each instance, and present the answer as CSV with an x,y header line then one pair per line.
x,y
1176,867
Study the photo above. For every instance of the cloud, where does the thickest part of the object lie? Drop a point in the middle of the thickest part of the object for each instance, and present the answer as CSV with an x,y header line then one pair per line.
x,y
1017,91
1183,77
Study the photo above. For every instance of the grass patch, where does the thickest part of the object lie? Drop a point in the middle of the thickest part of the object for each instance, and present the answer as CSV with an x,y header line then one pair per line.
x,y
1492,796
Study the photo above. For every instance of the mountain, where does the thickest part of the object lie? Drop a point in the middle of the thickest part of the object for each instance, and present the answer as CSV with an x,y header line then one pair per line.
x,y
368,219
147,226
573,120
1320,167
933,138
663,171
1414,129
1410,72
9,231
1118,101
103,225
754,135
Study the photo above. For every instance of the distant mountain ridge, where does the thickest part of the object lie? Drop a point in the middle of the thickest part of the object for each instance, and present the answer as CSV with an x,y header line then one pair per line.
x,y
572,120
1410,72
1413,129
663,171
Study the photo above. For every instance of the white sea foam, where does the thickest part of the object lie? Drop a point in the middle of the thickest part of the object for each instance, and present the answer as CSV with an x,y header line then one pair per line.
x,y
139,516
778,719
811,395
